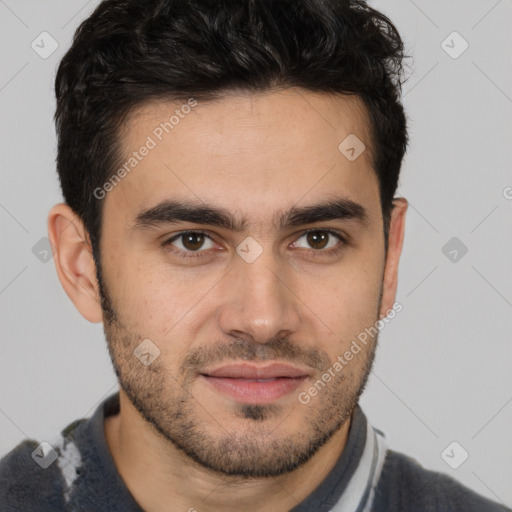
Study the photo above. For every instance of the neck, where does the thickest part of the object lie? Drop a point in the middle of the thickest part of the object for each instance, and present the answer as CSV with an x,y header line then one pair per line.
x,y
162,478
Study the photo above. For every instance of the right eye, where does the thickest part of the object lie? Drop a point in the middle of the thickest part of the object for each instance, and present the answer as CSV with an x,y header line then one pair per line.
x,y
188,242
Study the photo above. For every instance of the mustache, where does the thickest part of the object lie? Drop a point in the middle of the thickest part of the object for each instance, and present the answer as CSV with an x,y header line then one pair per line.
x,y
276,348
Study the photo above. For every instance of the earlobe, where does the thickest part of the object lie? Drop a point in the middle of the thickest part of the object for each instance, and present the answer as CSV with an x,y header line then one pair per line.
x,y
74,261
395,243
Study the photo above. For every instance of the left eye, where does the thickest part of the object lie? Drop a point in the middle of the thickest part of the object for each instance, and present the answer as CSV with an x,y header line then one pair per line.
x,y
320,239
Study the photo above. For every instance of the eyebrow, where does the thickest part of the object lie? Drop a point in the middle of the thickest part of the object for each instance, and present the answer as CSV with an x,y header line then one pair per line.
x,y
173,211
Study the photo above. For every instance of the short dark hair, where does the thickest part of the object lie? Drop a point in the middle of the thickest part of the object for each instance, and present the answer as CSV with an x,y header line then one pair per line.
x,y
131,51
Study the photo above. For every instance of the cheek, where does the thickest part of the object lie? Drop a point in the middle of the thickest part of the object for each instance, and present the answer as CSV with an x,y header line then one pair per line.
x,y
156,300
357,295
141,297
348,303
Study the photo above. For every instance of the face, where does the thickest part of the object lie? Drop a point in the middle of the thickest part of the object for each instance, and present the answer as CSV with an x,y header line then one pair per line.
x,y
245,252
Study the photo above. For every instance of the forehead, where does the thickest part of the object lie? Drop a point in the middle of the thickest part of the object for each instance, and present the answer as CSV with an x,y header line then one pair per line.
x,y
252,153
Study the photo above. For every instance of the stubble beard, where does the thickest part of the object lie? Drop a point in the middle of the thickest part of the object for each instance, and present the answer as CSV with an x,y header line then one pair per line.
x,y
168,405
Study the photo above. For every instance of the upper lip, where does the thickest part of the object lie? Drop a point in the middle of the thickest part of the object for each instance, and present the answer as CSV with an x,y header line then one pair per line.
x,y
247,371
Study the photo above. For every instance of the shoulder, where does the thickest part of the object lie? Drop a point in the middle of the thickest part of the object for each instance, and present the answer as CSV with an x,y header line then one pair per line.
x,y
35,475
405,485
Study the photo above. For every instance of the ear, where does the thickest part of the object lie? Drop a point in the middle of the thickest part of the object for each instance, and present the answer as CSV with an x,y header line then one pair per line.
x,y
395,242
74,262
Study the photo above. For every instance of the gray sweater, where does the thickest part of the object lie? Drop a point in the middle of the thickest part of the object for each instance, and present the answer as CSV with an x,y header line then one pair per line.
x,y
75,472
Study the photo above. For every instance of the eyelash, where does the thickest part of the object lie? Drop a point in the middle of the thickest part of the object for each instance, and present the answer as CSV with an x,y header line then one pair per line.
x,y
314,252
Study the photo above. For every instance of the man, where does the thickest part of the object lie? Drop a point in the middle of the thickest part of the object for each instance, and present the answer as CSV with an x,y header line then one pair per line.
x,y
229,171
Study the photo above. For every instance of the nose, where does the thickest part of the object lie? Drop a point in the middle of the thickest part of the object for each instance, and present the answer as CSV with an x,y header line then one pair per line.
x,y
258,300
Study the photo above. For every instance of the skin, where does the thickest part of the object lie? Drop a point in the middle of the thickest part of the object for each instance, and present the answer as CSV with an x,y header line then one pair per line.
x,y
178,443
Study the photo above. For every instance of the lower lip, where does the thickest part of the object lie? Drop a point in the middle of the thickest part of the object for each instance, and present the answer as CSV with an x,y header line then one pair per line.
x,y
251,391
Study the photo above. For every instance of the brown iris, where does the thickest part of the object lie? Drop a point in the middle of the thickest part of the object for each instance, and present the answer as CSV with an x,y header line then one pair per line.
x,y
193,241
317,237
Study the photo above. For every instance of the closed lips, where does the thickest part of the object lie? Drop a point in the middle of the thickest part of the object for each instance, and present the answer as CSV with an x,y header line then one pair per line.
x,y
266,373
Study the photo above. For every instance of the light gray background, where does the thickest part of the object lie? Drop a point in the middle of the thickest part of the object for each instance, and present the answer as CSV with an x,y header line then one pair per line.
x,y
442,371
